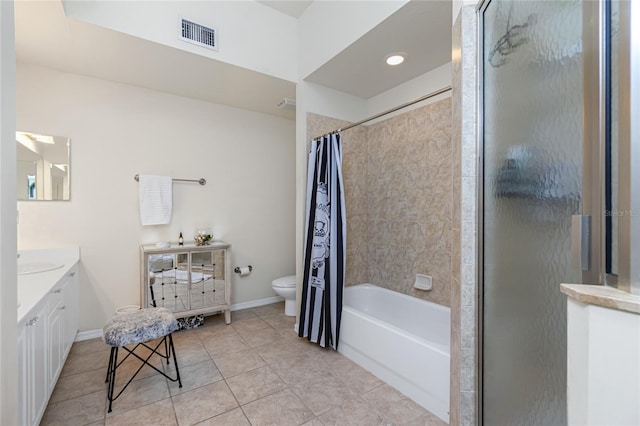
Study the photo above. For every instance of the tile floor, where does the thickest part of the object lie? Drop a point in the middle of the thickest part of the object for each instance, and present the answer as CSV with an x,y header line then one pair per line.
x,y
255,371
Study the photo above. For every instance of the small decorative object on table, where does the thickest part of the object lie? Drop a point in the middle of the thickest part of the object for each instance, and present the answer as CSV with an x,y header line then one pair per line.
x,y
180,240
203,236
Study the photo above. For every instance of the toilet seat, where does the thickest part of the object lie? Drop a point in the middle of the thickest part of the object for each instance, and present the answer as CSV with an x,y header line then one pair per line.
x,y
284,282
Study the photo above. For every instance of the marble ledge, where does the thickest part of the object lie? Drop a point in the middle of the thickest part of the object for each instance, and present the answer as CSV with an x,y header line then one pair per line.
x,y
600,295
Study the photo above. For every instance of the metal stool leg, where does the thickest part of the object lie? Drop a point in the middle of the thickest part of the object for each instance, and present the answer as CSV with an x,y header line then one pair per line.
x,y
166,349
109,367
112,376
175,360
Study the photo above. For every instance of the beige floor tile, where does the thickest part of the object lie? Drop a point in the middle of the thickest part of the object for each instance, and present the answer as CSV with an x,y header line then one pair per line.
x,y
322,393
259,337
218,345
394,407
203,403
282,409
77,411
425,420
289,333
211,320
267,310
157,414
126,370
276,351
75,385
280,321
139,393
249,324
79,363
351,374
193,376
232,364
216,330
243,314
192,354
255,384
234,417
88,346
298,368
184,338
354,411
313,422
98,423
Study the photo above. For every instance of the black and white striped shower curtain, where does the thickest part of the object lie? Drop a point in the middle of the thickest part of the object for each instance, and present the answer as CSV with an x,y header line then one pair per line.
x,y
325,244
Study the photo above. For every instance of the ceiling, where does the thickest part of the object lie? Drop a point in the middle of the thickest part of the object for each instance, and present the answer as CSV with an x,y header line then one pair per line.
x,y
46,37
421,29
293,8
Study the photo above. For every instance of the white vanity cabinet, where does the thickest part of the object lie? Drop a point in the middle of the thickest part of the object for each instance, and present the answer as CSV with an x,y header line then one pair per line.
x,y
62,323
45,335
188,280
32,375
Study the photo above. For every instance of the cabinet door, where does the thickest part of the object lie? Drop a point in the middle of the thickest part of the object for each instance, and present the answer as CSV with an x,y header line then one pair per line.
x,y
56,344
69,308
207,279
23,375
38,385
168,281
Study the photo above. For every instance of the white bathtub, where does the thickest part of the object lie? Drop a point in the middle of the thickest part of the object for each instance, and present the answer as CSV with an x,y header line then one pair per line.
x,y
403,340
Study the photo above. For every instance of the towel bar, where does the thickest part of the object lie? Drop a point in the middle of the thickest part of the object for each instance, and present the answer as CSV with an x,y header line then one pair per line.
x,y
201,181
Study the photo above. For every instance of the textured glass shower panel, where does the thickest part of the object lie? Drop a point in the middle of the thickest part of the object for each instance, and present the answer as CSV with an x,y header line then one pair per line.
x,y
532,186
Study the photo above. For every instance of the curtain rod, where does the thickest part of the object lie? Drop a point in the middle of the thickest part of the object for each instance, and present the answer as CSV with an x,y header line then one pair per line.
x,y
389,111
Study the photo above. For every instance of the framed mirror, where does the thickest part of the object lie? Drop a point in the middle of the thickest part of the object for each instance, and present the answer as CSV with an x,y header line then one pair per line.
x,y
43,167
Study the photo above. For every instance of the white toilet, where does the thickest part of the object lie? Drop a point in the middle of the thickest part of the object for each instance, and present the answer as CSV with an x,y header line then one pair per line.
x,y
286,287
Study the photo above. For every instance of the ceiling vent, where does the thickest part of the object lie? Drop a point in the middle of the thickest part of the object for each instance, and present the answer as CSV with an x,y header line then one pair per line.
x,y
198,34
287,104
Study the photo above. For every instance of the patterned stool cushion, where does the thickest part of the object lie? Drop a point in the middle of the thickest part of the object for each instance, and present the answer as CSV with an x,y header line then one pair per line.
x,y
139,326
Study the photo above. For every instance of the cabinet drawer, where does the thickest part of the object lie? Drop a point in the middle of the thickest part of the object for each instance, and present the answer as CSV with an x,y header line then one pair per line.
x,y
56,295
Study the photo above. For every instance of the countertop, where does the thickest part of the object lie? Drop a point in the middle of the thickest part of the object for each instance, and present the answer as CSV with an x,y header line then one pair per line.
x,y
601,295
33,287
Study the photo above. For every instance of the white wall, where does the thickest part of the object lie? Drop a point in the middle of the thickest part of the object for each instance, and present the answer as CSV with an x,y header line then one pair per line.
x,y
326,28
411,90
603,373
251,35
8,289
118,131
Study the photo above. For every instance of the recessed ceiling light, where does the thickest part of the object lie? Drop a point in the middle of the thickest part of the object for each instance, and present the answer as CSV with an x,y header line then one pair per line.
x,y
395,59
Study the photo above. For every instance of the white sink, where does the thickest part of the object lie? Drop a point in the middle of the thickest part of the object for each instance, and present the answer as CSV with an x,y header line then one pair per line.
x,y
36,267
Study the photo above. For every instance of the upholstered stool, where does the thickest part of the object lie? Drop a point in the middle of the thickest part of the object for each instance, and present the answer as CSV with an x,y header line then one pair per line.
x,y
139,328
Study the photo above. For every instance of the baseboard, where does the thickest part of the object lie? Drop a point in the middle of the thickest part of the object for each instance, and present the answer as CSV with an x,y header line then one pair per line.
x,y
86,335
256,303
92,334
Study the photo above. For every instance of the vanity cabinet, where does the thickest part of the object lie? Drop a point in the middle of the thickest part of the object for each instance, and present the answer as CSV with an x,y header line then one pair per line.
x,y
32,353
45,336
188,280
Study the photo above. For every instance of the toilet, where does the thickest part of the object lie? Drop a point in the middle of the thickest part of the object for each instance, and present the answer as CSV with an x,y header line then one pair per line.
x,y
286,287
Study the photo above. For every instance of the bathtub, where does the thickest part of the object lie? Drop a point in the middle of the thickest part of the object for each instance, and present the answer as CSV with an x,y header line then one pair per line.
x,y
403,340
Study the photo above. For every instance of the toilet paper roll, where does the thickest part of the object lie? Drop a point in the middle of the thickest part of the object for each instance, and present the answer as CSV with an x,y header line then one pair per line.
x,y
244,271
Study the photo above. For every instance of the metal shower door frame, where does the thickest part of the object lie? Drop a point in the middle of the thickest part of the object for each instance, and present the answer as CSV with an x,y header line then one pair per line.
x,y
594,136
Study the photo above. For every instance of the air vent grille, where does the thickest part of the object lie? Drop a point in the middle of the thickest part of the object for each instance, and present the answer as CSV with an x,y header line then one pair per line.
x,y
198,34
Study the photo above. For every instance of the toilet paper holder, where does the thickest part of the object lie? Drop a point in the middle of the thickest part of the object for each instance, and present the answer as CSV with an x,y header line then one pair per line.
x,y
237,269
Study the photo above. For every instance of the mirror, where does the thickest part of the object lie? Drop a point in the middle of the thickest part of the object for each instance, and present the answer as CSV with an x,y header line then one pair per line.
x,y
43,167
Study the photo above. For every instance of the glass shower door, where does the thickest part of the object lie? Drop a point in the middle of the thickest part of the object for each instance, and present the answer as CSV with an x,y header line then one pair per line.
x,y
533,85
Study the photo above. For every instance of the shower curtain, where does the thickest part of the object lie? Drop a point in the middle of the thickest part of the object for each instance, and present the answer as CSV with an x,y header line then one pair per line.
x,y
325,244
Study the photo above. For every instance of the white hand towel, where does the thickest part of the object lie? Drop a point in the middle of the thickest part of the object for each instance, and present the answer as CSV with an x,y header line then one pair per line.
x,y
155,199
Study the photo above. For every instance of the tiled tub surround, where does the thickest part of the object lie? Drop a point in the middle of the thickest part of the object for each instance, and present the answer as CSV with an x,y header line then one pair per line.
x,y
398,189
255,371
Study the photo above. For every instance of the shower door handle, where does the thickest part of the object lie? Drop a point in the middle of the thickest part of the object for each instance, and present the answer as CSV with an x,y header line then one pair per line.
x,y
581,242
